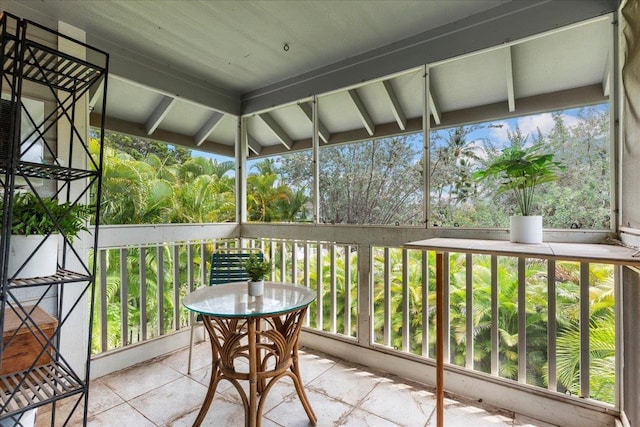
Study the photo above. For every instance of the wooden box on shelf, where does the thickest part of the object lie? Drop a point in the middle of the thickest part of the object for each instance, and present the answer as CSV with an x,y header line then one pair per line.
x,y
20,352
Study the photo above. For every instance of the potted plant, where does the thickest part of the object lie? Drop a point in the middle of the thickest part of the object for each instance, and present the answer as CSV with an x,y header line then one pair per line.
x,y
257,267
35,226
521,171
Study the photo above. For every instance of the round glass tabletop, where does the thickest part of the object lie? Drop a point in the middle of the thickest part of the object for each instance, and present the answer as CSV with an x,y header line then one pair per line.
x,y
233,300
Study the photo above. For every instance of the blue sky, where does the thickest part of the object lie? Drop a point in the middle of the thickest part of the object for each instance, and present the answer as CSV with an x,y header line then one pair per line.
x,y
529,125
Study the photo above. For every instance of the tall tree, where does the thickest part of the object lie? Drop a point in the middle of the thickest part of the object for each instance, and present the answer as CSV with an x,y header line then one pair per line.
x,y
372,182
139,148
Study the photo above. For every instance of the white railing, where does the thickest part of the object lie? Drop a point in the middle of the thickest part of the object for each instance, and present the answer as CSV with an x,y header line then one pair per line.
x,y
535,323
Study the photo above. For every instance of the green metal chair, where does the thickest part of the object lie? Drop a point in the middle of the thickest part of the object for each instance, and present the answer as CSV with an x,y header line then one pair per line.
x,y
226,267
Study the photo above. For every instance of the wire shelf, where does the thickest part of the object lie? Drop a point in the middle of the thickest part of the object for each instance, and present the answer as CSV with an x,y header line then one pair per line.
x,y
37,386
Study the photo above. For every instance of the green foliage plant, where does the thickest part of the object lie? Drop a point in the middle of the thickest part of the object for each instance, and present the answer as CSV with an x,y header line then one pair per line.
x,y
257,268
522,170
42,216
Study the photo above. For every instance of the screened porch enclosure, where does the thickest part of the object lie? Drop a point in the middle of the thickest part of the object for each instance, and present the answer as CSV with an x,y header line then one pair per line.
x,y
553,341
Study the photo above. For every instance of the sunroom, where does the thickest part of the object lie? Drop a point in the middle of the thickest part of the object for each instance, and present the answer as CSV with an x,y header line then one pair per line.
x,y
329,91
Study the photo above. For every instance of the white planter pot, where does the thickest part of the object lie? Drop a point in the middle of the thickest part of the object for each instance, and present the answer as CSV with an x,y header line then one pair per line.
x,y
526,229
43,263
256,288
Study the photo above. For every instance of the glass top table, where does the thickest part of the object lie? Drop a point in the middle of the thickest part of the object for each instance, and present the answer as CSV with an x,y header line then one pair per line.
x,y
261,330
233,300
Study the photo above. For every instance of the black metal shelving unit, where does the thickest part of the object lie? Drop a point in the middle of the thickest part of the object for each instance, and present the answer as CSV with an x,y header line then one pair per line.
x,y
36,67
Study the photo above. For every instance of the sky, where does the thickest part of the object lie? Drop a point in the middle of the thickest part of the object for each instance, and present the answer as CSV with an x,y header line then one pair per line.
x,y
529,125
498,133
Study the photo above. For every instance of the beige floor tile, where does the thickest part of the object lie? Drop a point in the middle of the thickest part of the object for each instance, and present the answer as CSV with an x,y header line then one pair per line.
x,y
171,400
344,382
391,394
140,379
313,365
341,394
73,406
221,413
200,358
121,415
290,413
360,418
102,398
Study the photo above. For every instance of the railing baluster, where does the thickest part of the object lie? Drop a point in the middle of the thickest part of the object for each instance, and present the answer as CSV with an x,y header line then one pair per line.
x,y
347,290
124,297
272,257
446,306
319,286
405,301
522,322
176,287
203,263
190,280
495,334
552,381
283,261
294,262
104,333
305,276
584,330
425,303
143,292
387,298
333,293
160,289
469,310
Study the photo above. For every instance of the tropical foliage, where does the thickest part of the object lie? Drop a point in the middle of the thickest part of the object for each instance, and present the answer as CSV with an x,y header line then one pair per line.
x,y
521,170
43,215
155,190
579,139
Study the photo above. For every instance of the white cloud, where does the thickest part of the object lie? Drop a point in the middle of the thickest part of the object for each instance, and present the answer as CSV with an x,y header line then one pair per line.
x,y
529,126
499,134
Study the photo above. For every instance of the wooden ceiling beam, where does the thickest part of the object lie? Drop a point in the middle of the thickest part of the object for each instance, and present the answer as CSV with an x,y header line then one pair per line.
x,y
396,108
508,68
253,145
323,132
158,115
277,130
606,76
365,117
433,107
206,129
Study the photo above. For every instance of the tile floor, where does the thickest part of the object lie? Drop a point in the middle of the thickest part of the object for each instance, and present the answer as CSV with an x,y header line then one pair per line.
x,y
341,394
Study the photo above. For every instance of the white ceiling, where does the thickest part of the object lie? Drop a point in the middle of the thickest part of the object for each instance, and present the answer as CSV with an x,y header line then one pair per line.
x,y
238,45
198,59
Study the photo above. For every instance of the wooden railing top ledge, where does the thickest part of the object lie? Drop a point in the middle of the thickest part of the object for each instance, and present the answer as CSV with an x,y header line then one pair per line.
x,y
586,252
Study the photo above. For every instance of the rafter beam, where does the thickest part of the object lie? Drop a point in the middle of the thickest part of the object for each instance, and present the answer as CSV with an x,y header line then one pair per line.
x,y
433,107
95,95
253,145
365,117
606,81
508,68
159,114
206,129
275,127
396,108
322,129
